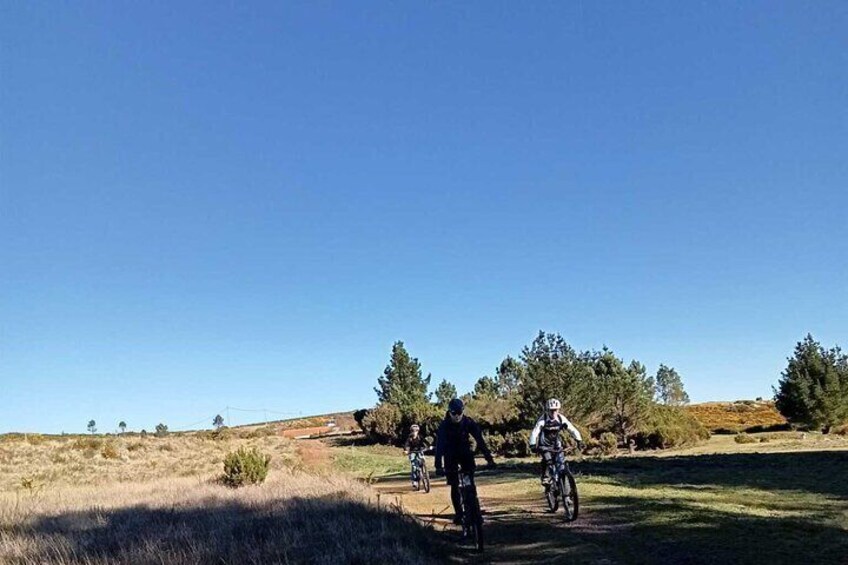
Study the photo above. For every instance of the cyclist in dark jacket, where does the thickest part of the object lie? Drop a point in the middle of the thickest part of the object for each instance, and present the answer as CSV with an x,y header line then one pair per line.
x,y
415,447
453,444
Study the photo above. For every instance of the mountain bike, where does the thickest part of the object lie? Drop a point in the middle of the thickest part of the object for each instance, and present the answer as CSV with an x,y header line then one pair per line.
x,y
562,487
472,518
420,474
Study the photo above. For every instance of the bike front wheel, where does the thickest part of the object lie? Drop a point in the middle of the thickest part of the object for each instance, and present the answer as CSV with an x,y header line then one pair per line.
x,y
425,479
570,500
552,496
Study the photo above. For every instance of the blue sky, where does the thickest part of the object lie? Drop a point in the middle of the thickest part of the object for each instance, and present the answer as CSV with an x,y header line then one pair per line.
x,y
208,205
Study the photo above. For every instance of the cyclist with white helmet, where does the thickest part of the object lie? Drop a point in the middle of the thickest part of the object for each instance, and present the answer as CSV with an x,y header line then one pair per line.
x,y
545,437
414,448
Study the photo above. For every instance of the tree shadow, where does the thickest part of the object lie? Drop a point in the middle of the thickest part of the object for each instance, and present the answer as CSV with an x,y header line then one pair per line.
x,y
819,472
724,525
329,529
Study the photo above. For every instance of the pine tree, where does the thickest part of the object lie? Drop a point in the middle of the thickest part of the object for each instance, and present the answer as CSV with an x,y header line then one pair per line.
x,y
813,390
669,387
402,383
444,394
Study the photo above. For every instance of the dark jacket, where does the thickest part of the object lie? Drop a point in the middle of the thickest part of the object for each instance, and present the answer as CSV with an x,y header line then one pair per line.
x,y
415,443
453,440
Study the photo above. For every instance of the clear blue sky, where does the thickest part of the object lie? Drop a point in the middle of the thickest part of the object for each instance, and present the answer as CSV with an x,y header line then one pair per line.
x,y
205,205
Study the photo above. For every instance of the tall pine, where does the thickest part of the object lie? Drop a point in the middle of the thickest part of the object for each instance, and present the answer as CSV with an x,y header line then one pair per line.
x,y
402,383
813,390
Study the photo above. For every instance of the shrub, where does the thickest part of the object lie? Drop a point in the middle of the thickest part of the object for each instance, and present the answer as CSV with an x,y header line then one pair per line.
x,y
670,426
161,430
245,467
495,442
383,423
517,444
135,446
109,451
86,444
496,414
608,443
742,437
840,430
359,417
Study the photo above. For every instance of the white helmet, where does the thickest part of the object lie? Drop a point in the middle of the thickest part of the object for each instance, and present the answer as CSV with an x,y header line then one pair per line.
x,y
413,428
553,404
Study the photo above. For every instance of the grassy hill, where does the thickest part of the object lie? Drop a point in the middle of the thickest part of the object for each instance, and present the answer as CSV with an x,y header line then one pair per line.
x,y
738,416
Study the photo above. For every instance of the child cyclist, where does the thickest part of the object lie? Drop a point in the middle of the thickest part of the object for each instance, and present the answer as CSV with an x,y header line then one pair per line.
x,y
414,448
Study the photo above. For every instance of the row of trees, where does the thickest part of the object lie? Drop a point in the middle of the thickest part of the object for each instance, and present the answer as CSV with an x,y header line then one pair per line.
x,y
813,390
599,391
161,429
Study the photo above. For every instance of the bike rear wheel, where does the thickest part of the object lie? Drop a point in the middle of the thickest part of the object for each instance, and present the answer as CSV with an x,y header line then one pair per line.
x,y
570,500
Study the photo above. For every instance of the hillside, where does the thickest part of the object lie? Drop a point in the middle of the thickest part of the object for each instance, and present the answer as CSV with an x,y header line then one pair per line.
x,y
738,416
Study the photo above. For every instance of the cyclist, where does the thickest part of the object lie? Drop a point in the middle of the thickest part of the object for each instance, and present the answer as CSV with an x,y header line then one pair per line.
x,y
414,446
453,444
545,436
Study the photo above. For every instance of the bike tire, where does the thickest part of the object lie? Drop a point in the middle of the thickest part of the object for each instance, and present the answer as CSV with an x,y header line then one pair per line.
x,y
425,479
475,520
552,497
570,501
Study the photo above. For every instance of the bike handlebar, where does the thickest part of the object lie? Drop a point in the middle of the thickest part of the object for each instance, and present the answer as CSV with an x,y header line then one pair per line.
x,y
560,450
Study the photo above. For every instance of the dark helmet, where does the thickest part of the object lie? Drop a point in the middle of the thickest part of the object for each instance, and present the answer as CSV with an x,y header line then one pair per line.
x,y
456,406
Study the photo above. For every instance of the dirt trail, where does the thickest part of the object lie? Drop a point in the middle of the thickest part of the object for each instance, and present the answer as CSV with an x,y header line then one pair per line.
x,y
518,526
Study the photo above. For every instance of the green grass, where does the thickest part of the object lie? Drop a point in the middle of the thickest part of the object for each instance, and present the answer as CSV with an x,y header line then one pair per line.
x,y
735,508
369,461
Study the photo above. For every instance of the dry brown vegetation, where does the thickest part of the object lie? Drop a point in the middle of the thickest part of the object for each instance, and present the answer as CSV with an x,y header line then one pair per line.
x,y
152,500
86,460
739,416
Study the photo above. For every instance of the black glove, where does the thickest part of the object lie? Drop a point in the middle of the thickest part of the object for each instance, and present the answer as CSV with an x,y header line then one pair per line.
x,y
440,472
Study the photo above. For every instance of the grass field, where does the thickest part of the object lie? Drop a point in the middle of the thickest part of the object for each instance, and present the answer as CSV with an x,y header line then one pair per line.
x,y
769,502
74,500
157,501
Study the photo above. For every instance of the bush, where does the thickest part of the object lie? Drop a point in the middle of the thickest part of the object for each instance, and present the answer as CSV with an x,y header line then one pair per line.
x,y
840,430
516,444
383,423
670,426
742,437
86,444
245,467
109,451
135,446
495,442
359,417
608,443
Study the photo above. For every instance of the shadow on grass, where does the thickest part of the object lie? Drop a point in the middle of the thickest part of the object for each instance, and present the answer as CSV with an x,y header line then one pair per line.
x,y
818,472
298,530
801,520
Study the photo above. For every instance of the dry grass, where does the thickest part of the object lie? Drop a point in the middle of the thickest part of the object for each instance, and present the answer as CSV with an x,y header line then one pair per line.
x,y
132,500
293,518
732,417
92,460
